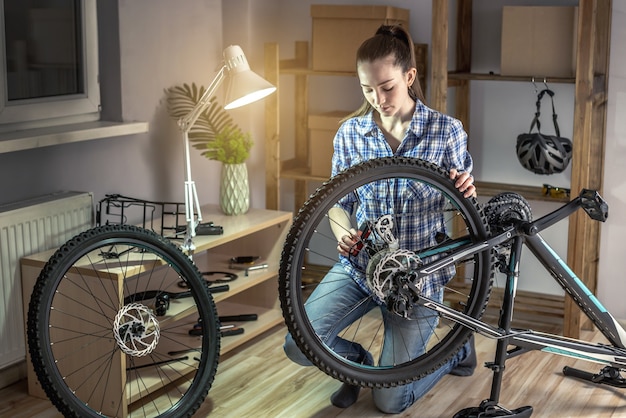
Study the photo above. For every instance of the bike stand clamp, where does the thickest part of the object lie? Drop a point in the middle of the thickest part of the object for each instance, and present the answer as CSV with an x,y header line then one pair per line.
x,y
490,408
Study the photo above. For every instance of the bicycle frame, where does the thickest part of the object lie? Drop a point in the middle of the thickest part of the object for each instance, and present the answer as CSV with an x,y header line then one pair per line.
x,y
527,233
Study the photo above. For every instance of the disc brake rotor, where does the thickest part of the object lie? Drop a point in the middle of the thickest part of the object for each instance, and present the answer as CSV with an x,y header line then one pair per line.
x,y
136,329
387,274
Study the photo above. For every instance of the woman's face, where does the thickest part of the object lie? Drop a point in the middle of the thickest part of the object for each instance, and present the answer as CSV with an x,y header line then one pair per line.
x,y
385,85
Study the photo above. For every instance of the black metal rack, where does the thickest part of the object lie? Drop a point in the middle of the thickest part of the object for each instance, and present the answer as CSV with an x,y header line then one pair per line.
x,y
116,209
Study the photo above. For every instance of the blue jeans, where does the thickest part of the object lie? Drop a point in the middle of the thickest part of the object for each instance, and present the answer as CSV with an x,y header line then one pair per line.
x,y
338,290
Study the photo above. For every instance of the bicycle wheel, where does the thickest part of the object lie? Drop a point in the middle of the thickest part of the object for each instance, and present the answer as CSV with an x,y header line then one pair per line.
x,y
310,251
108,327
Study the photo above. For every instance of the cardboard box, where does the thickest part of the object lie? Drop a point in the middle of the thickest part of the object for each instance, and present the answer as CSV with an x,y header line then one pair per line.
x,y
339,30
322,130
539,41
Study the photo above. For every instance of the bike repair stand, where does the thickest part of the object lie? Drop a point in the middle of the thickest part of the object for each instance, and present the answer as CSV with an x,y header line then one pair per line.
x,y
491,407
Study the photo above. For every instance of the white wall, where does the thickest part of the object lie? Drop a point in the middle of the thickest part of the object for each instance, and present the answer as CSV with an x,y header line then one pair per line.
x,y
612,281
162,45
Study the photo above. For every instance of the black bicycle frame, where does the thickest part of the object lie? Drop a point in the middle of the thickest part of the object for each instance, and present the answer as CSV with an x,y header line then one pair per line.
x,y
527,233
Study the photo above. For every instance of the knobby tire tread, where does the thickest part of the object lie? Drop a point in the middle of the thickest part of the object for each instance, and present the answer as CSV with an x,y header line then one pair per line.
x,y
288,286
58,263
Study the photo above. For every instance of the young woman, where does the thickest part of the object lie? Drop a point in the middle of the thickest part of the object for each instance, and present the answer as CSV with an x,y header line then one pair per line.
x,y
393,120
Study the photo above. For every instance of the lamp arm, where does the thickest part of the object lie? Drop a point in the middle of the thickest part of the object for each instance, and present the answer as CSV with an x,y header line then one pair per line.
x,y
185,123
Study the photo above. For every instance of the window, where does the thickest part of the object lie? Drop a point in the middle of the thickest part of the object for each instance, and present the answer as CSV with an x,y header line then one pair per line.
x,y
49,63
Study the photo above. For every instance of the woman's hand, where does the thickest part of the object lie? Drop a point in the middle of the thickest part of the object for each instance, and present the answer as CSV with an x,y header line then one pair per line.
x,y
348,242
464,182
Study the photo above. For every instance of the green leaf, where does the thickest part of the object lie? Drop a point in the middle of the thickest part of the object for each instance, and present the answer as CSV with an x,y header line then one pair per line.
x,y
215,133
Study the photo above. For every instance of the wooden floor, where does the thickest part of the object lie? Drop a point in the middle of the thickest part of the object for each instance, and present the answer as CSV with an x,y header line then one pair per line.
x,y
258,381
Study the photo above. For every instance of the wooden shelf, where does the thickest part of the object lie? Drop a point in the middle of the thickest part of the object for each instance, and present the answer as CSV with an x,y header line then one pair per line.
x,y
592,54
295,169
453,75
289,70
484,188
236,227
64,134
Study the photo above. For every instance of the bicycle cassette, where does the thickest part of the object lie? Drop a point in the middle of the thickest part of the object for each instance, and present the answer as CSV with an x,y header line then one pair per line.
x,y
504,207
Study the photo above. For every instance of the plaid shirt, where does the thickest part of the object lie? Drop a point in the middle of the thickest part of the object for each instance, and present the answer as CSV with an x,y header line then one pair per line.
x,y
416,209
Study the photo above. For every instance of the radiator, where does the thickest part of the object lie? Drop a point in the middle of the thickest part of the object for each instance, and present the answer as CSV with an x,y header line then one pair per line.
x,y
26,228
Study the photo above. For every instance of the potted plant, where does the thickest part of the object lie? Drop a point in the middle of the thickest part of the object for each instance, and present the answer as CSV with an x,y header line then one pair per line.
x,y
218,138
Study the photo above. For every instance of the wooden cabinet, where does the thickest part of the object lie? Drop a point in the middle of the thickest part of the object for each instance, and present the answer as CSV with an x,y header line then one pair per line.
x,y
591,81
259,232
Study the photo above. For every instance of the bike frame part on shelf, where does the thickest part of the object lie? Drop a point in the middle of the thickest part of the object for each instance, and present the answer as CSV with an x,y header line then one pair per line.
x,y
527,233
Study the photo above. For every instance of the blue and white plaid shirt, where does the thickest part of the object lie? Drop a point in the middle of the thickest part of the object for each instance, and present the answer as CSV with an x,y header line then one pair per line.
x,y
416,209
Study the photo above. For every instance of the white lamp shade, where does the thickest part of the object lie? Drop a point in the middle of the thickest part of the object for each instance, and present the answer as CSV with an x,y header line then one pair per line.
x,y
243,86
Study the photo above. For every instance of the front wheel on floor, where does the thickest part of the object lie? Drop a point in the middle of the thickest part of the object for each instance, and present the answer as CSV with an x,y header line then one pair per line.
x,y
108,327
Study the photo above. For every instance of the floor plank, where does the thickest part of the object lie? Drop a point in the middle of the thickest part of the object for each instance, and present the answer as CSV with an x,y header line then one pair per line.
x,y
257,380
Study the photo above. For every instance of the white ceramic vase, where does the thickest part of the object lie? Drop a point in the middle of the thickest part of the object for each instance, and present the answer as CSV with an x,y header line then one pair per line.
x,y
234,189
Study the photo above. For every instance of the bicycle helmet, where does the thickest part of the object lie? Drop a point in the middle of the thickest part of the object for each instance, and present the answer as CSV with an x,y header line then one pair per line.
x,y
543,154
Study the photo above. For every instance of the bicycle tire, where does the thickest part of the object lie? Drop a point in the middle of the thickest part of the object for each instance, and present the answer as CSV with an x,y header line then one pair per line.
x,y
101,340
309,241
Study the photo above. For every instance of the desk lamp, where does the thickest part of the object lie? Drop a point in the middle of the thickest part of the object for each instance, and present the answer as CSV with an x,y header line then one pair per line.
x,y
243,87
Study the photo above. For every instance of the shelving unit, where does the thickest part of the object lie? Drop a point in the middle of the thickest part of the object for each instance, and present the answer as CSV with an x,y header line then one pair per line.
x,y
594,22
296,168
259,232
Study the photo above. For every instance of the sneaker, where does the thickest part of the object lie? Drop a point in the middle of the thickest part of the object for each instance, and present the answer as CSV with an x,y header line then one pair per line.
x,y
345,396
467,365
348,394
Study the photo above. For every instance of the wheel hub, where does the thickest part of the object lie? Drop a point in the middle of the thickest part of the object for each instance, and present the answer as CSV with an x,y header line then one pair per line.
x,y
136,329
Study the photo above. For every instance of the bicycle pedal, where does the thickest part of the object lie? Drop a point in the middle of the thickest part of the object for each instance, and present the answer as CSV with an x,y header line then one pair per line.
x,y
595,206
494,411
